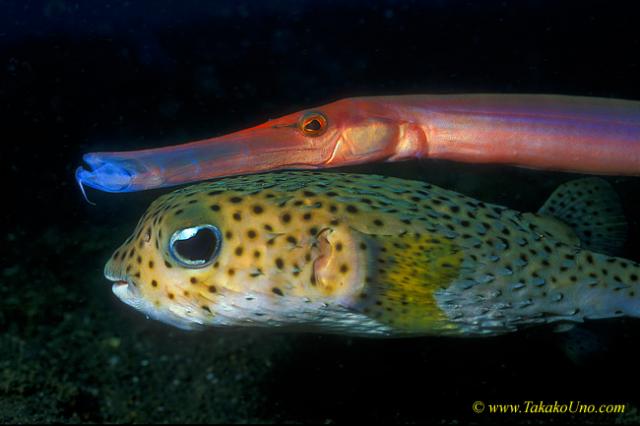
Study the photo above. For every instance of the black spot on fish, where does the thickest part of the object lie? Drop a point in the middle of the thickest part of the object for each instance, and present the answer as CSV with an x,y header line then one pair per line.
x,y
279,263
277,291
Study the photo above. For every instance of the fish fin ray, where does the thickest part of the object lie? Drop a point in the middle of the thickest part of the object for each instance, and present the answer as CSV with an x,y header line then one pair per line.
x,y
591,207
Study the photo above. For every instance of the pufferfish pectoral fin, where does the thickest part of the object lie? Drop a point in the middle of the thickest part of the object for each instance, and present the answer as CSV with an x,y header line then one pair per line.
x,y
404,272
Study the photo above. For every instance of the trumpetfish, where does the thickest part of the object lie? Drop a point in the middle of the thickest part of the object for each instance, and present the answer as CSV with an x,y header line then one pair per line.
x,y
370,255
563,133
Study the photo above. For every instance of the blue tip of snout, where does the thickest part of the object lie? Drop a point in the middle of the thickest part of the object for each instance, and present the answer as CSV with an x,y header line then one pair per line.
x,y
104,175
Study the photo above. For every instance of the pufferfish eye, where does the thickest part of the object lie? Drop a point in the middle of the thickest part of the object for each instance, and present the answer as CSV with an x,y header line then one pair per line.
x,y
196,246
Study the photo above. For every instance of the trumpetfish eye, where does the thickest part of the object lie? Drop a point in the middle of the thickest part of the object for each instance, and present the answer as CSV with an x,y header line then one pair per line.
x,y
196,246
313,123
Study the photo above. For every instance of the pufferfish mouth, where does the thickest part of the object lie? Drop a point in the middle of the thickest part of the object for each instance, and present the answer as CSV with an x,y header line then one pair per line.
x,y
125,289
119,285
117,281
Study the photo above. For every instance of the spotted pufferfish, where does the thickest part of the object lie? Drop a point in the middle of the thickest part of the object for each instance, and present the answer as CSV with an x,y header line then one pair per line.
x,y
372,255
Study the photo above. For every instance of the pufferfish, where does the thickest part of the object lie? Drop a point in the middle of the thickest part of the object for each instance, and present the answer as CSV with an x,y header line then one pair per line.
x,y
373,255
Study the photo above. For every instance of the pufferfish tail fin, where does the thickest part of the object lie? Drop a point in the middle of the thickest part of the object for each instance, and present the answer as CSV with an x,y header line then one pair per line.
x,y
591,207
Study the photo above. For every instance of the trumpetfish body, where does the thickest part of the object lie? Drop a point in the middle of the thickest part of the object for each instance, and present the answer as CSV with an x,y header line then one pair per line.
x,y
552,132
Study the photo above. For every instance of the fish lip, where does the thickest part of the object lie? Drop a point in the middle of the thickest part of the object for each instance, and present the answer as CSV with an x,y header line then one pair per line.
x,y
116,278
125,289
119,283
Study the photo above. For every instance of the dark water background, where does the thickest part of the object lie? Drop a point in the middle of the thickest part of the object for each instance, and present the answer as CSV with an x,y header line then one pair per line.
x,y
79,76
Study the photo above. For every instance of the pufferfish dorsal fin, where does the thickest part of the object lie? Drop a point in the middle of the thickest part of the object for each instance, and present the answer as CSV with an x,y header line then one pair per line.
x,y
592,209
403,275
